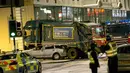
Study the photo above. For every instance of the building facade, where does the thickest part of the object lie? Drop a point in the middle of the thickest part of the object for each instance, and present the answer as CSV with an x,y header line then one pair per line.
x,y
73,10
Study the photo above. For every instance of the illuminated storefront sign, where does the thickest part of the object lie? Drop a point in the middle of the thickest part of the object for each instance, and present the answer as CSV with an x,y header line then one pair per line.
x,y
119,13
92,12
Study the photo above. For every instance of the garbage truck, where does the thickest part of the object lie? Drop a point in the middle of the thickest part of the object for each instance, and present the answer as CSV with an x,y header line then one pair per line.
x,y
75,36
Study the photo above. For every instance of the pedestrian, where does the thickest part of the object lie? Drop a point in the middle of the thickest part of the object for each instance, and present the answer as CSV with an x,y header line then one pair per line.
x,y
111,52
92,54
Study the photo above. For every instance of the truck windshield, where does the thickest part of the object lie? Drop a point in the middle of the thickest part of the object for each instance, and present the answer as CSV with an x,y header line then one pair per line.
x,y
97,31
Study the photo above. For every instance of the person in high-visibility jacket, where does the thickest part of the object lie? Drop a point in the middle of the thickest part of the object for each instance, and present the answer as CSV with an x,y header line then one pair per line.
x,y
92,55
111,52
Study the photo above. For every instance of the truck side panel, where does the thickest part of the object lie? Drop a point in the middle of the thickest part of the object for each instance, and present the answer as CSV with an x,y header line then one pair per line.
x,y
59,34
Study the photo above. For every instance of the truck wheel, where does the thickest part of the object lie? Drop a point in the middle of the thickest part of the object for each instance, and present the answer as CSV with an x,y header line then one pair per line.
x,y
72,53
25,47
1,71
56,56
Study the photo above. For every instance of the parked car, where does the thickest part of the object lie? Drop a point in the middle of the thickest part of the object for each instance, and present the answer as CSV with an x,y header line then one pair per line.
x,y
55,52
19,62
123,57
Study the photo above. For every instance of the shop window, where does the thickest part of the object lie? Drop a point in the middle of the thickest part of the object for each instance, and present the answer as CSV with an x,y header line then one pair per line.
x,y
75,11
78,14
50,14
69,14
43,13
58,13
64,13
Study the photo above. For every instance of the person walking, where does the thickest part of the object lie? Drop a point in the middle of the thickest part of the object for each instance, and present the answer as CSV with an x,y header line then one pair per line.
x,y
111,52
92,55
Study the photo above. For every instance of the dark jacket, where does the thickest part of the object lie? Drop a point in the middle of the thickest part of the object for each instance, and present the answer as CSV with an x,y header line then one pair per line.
x,y
94,55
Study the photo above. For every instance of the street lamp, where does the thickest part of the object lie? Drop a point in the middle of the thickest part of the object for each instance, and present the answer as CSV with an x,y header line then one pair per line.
x,y
13,35
11,7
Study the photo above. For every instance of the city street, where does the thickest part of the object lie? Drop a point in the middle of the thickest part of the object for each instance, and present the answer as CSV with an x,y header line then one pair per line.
x,y
77,66
68,66
61,33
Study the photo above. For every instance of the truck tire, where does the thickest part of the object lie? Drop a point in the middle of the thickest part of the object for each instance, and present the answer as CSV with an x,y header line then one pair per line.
x,y
56,56
72,53
25,47
1,71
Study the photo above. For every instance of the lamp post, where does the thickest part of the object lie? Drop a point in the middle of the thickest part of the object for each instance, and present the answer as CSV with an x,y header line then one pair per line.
x,y
11,5
12,18
13,35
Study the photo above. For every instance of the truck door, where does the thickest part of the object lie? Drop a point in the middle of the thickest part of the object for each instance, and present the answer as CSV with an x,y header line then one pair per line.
x,y
47,34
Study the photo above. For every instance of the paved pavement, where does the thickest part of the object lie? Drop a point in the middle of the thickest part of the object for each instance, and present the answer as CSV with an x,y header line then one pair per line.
x,y
78,66
55,61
